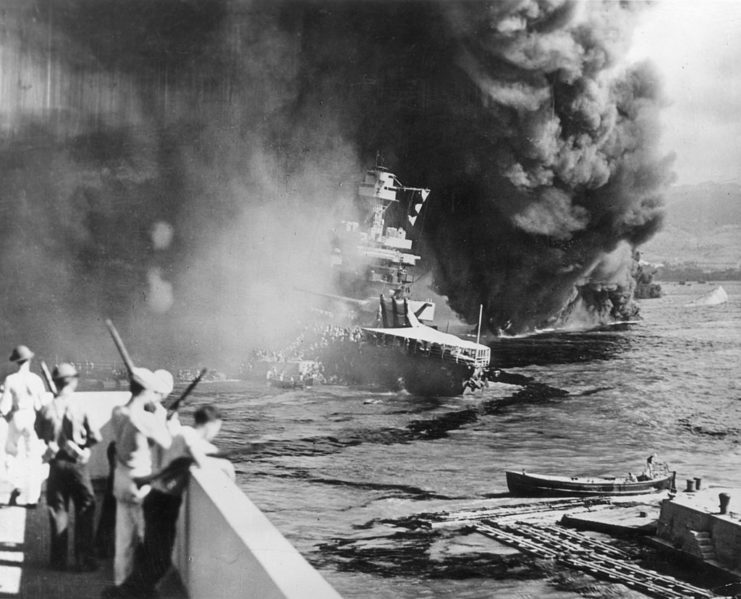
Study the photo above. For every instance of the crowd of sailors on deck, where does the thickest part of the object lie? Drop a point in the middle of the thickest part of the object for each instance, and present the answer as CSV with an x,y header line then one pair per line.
x,y
151,456
308,344
323,350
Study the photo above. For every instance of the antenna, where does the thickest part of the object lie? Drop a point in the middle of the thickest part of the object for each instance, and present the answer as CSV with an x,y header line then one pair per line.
x,y
478,332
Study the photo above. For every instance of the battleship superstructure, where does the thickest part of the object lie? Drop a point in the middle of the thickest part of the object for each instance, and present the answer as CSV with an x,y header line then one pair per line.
x,y
374,257
381,336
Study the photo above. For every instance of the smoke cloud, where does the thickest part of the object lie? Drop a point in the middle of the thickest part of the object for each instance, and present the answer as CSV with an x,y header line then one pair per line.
x,y
161,169
573,178
177,166
536,137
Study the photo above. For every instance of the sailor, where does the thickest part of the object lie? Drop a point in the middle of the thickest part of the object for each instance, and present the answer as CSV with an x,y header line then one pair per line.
x,y
3,443
141,421
22,397
651,466
162,504
105,535
64,425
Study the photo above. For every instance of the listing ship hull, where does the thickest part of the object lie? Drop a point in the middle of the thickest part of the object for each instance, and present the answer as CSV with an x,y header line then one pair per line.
x,y
536,485
424,376
425,361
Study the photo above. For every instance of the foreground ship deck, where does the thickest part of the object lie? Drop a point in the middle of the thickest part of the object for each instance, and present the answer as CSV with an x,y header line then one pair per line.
x,y
226,547
24,559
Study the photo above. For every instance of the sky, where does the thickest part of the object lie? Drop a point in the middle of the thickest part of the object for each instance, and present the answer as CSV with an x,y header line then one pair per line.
x,y
696,46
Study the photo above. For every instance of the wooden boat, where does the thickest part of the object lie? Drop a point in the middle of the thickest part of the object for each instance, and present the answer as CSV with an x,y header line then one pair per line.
x,y
544,485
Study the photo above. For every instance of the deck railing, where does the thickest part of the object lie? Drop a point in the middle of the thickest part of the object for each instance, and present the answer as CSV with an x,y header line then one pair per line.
x,y
447,353
227,548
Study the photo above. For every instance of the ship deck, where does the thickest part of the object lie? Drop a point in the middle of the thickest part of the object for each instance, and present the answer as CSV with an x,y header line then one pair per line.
x,y
24,555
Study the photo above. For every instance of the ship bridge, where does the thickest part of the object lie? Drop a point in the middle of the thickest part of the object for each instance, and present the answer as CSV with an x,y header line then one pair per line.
x,y
380,183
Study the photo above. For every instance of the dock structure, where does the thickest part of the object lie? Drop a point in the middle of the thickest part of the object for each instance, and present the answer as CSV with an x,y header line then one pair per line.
x,y
620,521
225,547
705,526
578,551
535,527
509,508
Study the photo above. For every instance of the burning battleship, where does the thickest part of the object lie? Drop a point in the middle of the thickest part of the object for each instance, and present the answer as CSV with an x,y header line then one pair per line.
x,y
375,255
385,335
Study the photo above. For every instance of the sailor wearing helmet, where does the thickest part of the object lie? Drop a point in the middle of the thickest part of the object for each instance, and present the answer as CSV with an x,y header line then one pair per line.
x,y
21,399
66,428
135,425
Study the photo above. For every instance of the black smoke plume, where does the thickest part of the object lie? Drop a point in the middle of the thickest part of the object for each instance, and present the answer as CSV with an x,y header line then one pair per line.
x,y
162,168
177,164
537,139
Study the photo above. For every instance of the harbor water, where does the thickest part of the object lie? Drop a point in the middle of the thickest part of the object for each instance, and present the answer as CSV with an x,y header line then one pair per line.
x,y
339,470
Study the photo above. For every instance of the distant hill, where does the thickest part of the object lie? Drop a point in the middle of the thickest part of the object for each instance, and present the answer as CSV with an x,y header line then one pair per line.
x,y
703,225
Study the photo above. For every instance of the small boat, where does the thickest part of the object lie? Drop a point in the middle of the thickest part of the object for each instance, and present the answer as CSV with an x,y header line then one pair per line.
x,y
294,374
542,485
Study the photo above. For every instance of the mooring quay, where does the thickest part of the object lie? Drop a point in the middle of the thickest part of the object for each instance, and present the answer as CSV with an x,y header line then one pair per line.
x,y
226,547
705,526
688,526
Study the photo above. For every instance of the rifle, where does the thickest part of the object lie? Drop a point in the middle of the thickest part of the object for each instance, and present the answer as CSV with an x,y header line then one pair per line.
x,y
47,378
173,407
128,362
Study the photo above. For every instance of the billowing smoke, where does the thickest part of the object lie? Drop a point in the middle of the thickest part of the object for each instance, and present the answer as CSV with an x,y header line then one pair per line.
x,y
537,139
160,168
177,165
564,176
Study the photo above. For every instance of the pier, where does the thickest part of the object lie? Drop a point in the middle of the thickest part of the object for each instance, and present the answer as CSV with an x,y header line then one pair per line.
x,y
704,526
544,528
577,550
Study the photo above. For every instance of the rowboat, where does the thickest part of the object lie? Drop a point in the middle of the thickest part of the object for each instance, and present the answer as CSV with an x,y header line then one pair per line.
x,y
544,485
